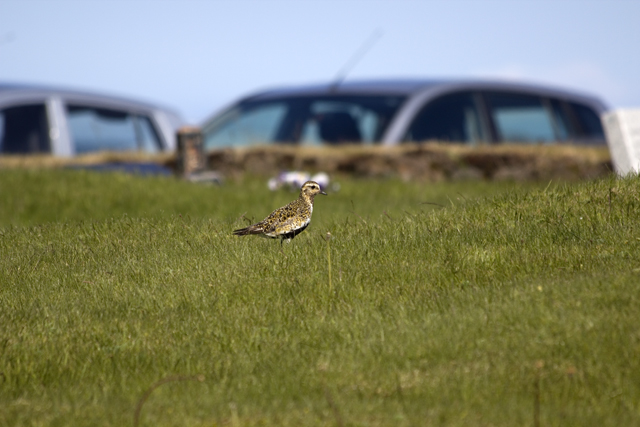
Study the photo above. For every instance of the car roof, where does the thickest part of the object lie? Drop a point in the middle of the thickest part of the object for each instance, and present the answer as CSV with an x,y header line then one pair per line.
x,y
15,91
411,87
397,87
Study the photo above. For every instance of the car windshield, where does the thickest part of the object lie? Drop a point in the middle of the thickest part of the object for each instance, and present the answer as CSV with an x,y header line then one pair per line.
x,y
300,120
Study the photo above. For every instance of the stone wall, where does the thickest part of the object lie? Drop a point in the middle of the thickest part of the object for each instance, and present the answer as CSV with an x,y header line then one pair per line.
x,y
427,162
430,162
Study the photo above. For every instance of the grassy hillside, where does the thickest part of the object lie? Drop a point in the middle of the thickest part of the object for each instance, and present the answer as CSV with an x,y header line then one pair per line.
x,y
506,310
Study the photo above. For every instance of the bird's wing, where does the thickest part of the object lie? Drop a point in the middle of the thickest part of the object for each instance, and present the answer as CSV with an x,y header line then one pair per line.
x,y
277,218
270,223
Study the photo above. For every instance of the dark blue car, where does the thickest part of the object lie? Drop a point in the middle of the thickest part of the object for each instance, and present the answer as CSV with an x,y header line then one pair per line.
x,y
391,112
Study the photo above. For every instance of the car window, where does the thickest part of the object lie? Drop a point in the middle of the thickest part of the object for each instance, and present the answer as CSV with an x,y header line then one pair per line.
x,y
24,129
452,117
590,124
561,120
337,122
330,119
100,129
245,126
520,118
148,139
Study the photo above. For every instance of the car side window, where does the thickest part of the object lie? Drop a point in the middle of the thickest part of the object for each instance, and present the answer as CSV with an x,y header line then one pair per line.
x,y
452,117
336,122
589,121
562,122
148,139
238,127
99,129
24,129
520,118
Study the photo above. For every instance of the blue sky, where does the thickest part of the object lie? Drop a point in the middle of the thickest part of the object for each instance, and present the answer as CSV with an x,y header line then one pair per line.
x,y
198,55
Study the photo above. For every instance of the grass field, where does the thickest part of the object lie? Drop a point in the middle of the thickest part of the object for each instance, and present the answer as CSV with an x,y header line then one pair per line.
x,y
452,304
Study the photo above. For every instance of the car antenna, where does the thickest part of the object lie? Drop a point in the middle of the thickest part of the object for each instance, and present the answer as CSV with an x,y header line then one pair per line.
x,y
355,58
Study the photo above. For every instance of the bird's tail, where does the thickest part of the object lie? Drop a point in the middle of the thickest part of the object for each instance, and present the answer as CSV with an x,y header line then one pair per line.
x,y
252,229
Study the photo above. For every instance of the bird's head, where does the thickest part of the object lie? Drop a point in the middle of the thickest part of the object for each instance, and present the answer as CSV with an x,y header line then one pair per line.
x,y
311,188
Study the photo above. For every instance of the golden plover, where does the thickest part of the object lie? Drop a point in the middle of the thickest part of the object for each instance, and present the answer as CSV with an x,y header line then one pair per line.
x,y
288,221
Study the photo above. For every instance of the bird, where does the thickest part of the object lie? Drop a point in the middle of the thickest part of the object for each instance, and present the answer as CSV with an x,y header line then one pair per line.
x,y
288,221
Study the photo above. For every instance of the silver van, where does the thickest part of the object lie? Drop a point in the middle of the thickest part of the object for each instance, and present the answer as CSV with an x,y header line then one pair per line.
x,y
62,122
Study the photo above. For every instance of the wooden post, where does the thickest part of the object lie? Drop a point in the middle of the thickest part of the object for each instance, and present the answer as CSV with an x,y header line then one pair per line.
x,y
190,151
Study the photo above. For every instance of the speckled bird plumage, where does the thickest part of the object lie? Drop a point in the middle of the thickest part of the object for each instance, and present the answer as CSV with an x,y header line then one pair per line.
x,y
287,221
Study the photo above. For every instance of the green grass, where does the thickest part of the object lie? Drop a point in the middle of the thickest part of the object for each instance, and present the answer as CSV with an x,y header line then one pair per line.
x,y
34,197
450,315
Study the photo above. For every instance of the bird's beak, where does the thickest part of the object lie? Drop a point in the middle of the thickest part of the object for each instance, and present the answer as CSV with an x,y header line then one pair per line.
x,y
322,192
